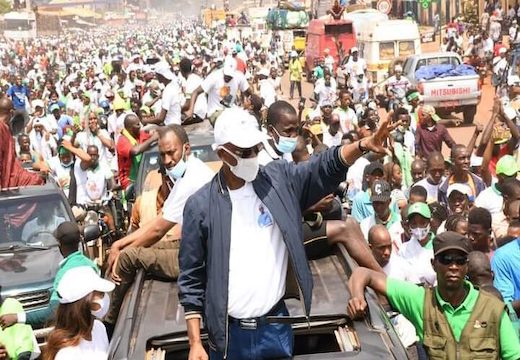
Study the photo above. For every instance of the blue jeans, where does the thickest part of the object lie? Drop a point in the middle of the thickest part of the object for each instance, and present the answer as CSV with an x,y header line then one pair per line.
x,y
267,341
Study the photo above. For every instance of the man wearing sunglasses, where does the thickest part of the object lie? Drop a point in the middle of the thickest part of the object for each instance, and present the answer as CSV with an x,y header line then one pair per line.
x,y
454,319
242,233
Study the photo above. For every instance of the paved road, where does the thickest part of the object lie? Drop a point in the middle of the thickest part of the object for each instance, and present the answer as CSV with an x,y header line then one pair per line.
x,y
461,135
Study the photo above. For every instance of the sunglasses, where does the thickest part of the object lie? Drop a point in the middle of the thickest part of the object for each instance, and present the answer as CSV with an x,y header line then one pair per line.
x,y
450,259
246,153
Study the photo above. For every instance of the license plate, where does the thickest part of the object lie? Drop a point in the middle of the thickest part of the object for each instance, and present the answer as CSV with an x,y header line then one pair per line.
x,y
451,103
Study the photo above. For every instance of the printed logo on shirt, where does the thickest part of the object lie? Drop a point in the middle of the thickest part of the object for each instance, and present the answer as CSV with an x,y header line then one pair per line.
x,y
264,219
224,91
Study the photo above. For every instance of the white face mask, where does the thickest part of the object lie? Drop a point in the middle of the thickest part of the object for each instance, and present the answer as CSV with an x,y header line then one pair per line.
x,y
246,169
104,304
420,233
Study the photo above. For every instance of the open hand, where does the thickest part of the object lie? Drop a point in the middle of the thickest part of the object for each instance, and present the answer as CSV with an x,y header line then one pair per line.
x,y
376,142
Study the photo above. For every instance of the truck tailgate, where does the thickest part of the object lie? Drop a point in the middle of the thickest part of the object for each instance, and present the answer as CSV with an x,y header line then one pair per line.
x,y
452,91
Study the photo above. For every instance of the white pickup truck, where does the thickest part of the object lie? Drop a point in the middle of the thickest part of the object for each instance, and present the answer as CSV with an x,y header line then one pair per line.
x,y
447,94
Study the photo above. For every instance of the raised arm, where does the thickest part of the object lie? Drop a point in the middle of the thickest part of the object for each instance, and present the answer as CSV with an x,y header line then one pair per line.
x,y
359,280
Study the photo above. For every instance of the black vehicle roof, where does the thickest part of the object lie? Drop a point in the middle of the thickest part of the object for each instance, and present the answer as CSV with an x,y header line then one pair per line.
x,y
49,188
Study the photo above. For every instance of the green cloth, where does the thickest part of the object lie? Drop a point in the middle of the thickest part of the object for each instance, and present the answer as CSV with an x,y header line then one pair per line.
x,y
75,259
408,299
405,161
17,338
318,72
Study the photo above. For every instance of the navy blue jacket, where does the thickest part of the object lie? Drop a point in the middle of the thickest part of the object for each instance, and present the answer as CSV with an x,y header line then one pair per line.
x,y
286,189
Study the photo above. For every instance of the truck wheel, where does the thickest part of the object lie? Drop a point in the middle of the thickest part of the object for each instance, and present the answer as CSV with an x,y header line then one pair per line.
x,y
469,114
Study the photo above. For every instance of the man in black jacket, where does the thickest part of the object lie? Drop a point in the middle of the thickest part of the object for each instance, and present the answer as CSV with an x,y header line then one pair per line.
x,y
242,232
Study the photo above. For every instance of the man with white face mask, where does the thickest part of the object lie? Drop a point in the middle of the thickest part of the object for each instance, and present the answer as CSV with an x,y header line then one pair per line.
x,y
240,231
418,252
142,249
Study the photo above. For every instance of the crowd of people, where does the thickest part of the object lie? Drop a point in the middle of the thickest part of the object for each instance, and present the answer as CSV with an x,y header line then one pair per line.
x,y
438,235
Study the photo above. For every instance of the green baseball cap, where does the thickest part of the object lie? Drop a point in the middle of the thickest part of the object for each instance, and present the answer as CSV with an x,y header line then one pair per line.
x,y
507,166
419,208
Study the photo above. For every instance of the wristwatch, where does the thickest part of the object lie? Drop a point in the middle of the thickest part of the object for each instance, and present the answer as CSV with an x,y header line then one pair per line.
x,y
361,148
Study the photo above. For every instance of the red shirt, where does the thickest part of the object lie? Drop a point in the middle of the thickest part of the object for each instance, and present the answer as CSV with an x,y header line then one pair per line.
x,y
241,65
12,174
124,159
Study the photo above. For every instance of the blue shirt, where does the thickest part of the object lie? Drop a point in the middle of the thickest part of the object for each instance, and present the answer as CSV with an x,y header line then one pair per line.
x,y
65,120
506,265
362,206
18,95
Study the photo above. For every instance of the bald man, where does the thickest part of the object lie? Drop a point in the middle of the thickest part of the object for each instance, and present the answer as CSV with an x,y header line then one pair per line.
x,y
380,243
418,170
480,273
11,172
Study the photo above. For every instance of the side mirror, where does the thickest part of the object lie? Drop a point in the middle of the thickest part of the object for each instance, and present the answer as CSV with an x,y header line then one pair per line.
x,y
91,232
130,193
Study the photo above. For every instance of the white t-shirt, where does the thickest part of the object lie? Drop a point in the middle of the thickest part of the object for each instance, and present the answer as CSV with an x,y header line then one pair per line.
x,y
347,119
97,349
332,140
201,105
326,94
258,256
91,184
60,173
355,67
197,175
431,189
355,176
267,92
216,88
172,101
419,259
491,200
85,138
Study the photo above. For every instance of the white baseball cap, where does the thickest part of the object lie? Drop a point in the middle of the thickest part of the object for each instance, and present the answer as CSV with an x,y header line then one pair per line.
x,y
462,188
238,127
354,49
38,103
163,68
264,72
80,281
230,67
502,50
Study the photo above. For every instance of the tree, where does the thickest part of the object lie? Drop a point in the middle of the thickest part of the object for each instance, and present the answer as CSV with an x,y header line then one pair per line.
x,y
5,6
471,12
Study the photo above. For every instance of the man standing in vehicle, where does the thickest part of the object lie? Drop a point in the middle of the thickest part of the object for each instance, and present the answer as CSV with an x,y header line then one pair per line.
x,y
11,172
238,283
453,319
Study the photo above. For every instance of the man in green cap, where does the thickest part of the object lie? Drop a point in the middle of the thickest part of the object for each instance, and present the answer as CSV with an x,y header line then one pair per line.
x,y
453,319
417,252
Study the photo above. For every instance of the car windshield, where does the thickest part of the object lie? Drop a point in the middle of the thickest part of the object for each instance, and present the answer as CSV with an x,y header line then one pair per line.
x,y
31,221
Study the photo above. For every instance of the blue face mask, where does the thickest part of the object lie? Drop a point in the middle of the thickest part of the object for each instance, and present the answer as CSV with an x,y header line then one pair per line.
x,y
285,144
176,172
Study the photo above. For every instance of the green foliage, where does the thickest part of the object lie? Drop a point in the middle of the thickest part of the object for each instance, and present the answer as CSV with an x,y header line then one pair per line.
x,y
5,6
471,12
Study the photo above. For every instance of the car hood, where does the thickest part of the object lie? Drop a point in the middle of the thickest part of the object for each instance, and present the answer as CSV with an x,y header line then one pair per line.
x,y
28,268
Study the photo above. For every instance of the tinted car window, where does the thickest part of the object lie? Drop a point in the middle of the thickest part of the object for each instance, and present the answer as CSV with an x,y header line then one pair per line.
x,y
31,221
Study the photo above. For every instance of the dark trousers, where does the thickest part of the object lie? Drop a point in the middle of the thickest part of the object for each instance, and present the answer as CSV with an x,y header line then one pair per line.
x,y
298,84
267,341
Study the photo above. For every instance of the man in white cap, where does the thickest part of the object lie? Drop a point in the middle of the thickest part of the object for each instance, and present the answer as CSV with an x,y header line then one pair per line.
x,y
222,87
355,65
172,99
500,66
396,87
329,60
238,283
